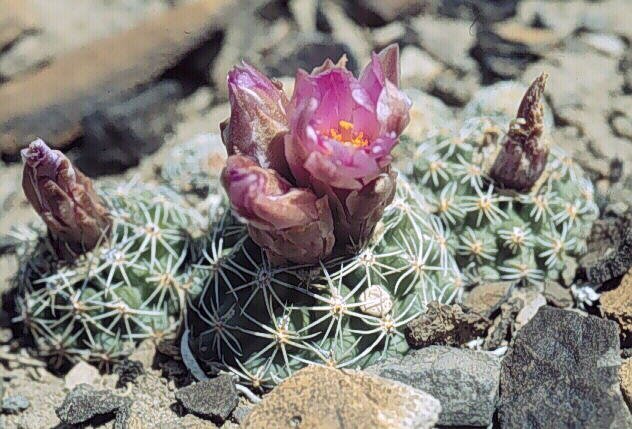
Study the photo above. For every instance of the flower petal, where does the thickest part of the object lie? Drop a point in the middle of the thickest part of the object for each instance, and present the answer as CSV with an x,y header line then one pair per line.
x,y
278,214
258,120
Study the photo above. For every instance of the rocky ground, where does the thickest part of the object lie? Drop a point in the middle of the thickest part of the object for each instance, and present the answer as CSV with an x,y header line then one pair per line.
x,y
552,356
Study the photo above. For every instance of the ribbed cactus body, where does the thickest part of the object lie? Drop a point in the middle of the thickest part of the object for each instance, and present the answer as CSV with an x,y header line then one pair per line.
x,y
129,288
497,233
264,322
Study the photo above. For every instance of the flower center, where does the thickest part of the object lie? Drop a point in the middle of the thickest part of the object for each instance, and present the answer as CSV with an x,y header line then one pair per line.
x,y
346,135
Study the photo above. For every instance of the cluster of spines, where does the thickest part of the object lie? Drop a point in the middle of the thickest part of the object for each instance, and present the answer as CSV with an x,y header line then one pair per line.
x,y
129,288
501,234
264,322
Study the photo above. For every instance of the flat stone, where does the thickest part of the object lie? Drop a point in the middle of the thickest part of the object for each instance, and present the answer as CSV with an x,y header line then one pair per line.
x,y
479,10
81,373
486,298
418,69
562,371
391,33
448,325
464,381
214,398
124,130
304,13
454,88
15,404
585,102
605,43
613,264
616,304
51,102
84,402
532,302
15,20
382,12
448,40
319,397
557,295
568,16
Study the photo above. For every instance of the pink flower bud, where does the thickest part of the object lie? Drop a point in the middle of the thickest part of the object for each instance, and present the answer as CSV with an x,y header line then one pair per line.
x,y
291,224
65,199
524,151
258,122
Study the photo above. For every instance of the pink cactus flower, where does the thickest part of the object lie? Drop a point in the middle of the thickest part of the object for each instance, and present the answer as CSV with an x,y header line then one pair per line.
x,y
331,143
65,199
342,129
291,224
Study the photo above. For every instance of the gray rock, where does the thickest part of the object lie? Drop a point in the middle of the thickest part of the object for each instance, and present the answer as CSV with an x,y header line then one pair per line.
x,y
121,132
85,402
608,44
480,10
445,325
562,372
241,413
448,40
464,381
214,398
454,88
557,295
419,69
307,52
586,102
611,265
502,328
486,298
15,404
379,12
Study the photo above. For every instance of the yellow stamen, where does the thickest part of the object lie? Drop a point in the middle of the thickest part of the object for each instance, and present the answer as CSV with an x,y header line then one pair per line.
x,y
347,126
345,134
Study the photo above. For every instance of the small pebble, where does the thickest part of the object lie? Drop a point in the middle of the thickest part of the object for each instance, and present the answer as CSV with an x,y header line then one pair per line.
x,y
15,404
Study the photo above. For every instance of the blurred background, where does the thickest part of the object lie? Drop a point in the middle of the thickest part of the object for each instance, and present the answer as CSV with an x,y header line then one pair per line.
x,y
117,83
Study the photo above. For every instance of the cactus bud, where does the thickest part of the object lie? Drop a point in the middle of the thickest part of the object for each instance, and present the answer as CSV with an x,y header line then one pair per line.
x,y
524,151
258,122
291,224
65,199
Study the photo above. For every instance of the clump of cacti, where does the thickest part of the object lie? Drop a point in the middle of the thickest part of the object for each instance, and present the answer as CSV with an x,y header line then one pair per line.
x,y
326,254
518,209
111,269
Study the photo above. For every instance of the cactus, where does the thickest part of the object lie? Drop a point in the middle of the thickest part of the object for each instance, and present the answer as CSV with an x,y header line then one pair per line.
x,y
515,211
263,322
335,254
97,302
